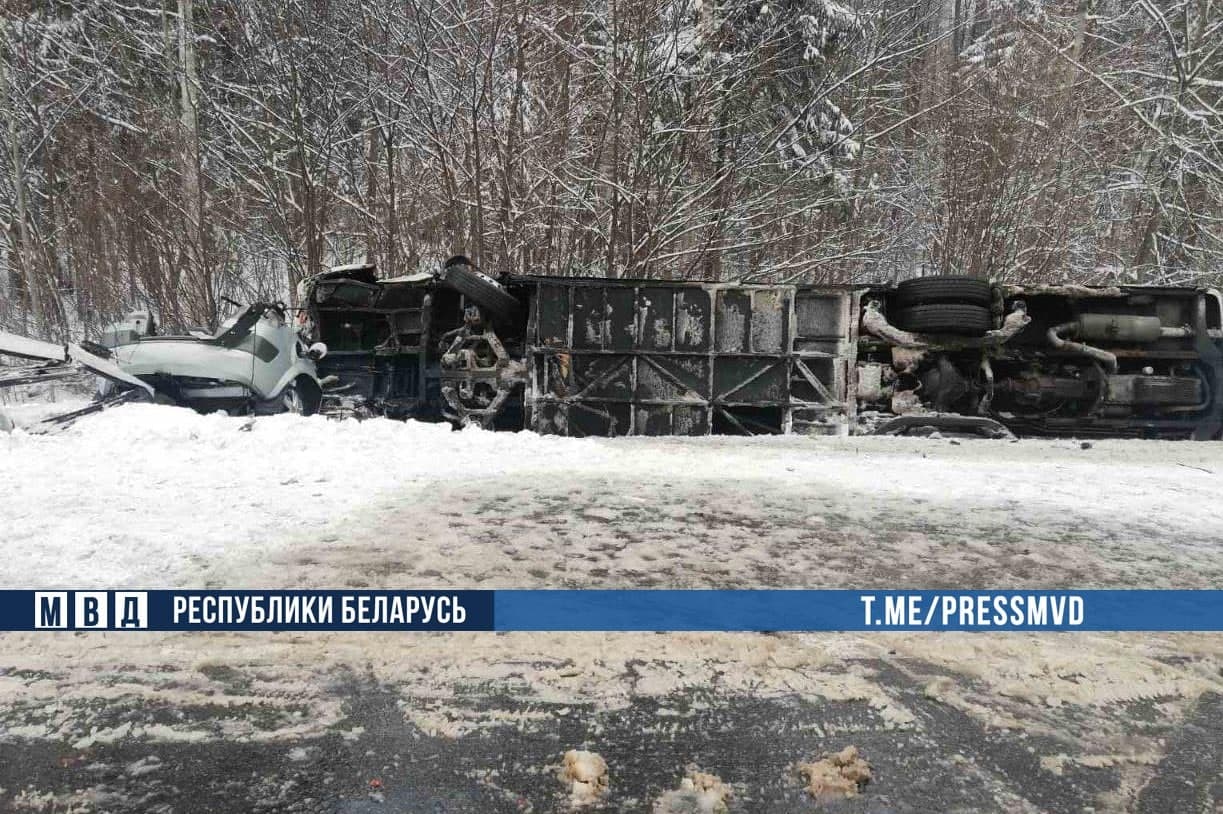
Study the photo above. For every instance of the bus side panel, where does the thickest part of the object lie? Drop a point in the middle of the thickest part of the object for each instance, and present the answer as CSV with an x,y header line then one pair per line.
x,y
608,358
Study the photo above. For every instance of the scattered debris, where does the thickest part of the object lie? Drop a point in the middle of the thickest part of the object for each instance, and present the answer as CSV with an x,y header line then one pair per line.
x,y
839,774
146,765
586,775
698,793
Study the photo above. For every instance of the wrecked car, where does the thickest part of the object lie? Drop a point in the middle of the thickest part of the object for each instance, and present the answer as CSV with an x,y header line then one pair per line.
x,y
256,362
584,356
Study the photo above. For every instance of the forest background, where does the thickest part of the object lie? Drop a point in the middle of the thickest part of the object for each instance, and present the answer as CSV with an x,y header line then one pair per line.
x,y
171,155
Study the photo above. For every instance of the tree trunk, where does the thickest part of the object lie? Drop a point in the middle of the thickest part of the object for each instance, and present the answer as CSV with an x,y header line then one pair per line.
x,y
189,96
21,251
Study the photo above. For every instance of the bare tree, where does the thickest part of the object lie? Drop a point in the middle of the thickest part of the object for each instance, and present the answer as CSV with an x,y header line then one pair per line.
x,y
173,154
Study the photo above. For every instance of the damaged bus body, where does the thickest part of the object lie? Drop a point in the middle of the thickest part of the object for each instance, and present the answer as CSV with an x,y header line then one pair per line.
x,y
596,357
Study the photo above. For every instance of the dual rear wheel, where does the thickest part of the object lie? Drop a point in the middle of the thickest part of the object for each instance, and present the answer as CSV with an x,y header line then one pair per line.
x,y
944,305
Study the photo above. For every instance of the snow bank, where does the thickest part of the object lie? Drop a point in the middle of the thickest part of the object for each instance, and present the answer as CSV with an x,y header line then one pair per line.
x,y
135,495
151,496
30,413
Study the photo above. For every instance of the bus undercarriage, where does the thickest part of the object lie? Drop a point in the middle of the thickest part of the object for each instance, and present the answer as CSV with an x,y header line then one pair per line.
x,y
597,357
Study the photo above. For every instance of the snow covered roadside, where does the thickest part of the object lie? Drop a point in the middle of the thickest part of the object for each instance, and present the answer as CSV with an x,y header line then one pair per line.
x,y
30,413
152,496
27,405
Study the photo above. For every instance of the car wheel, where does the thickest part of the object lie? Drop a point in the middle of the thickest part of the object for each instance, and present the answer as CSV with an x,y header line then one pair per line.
x,y
943,290
301,397
481,289
945,318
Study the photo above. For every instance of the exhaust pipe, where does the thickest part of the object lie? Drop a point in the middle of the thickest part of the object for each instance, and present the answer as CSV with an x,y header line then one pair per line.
x,y
1108,360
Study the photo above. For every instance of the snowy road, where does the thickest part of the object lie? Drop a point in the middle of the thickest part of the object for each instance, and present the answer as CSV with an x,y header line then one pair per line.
x,y
157,497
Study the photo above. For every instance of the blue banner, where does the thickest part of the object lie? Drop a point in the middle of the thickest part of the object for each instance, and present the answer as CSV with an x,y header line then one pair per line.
x,y
803,610
270,610
612,610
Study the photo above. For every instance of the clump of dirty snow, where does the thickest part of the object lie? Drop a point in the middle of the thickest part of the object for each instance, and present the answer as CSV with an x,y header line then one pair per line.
x,y
698,793
836,774
585,773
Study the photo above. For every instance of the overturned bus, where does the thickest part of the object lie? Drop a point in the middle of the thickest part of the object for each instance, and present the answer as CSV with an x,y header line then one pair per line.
x,y
599,357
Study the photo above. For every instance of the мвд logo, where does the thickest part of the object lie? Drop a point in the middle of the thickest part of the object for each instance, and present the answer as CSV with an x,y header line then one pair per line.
x,y
91,610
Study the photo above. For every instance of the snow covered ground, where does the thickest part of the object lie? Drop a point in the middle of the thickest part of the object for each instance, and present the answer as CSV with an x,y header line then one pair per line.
x,y
154,497
151,496
27,413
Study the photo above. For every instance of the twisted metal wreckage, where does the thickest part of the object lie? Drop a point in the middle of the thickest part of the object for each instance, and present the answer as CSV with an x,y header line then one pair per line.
x,y
585,356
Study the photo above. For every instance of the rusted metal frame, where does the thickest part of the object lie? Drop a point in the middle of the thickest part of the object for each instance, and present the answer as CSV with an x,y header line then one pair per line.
x,y
854,302
364,309
629,357
632,359
494,342
536,350
814,381
844,361
674,320
666,374
586,405
678,403
787,357
672,351
731,418
505,373
473,374
401,350
569,318
711,339
540,394
711,405
745,382
531,345
765,429
788,339
717,401
485,414
603,377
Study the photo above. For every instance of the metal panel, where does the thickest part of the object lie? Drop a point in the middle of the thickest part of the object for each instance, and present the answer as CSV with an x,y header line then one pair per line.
x,y
661,358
